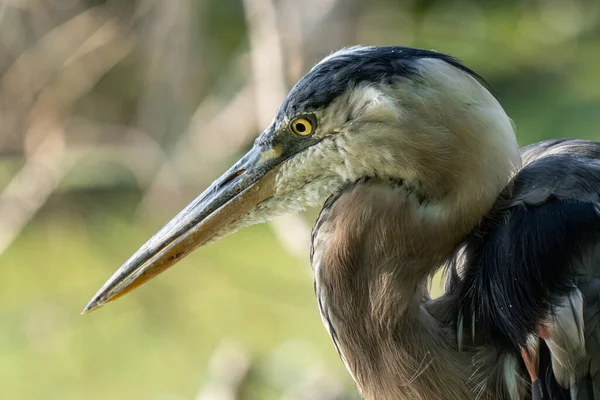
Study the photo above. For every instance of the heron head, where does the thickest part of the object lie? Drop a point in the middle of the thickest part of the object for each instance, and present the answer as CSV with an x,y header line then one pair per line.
x,y
415,117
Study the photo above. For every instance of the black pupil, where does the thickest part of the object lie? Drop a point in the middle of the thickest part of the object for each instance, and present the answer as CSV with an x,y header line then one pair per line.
x,y
300,127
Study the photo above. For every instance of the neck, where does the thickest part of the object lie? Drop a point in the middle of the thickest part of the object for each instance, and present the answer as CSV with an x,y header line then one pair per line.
x,y
374,249
375,245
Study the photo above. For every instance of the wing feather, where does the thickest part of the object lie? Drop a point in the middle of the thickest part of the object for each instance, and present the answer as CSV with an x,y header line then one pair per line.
x,y
535,262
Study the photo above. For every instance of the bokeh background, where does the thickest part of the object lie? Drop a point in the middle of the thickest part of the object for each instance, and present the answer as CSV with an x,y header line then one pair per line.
x,y
115,114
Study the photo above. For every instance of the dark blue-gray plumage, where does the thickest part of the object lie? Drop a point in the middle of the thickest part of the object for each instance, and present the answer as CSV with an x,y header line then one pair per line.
x,y
371,65
535,253
416,167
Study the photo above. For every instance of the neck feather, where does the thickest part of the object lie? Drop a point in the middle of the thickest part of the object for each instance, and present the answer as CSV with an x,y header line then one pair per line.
x,y
374,248
376,245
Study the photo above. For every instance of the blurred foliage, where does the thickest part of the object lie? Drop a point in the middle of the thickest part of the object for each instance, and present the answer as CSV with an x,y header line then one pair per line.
x,y
114,114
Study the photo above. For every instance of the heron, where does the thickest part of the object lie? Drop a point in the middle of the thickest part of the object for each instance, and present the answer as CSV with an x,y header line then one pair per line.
x,y
416,168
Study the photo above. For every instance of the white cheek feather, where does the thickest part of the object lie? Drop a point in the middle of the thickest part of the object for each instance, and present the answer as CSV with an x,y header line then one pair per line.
x,y
372,104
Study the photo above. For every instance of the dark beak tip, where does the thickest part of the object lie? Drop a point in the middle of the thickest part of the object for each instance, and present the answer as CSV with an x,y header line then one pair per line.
x,y
226,200
88,309
93,304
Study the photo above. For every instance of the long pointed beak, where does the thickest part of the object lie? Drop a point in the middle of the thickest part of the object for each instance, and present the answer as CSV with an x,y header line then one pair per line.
x,y
235,194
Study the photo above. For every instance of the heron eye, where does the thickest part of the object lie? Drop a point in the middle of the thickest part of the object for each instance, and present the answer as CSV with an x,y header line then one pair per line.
x,y
301,126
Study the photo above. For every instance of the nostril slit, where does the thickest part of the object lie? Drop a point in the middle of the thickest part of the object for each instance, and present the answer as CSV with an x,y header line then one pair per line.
x,y
232,177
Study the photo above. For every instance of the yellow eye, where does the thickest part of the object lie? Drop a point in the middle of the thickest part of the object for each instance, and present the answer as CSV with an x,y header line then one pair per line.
x,y
301,126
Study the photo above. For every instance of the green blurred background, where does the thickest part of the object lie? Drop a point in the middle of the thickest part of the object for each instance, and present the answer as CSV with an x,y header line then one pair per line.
x,y
115,114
